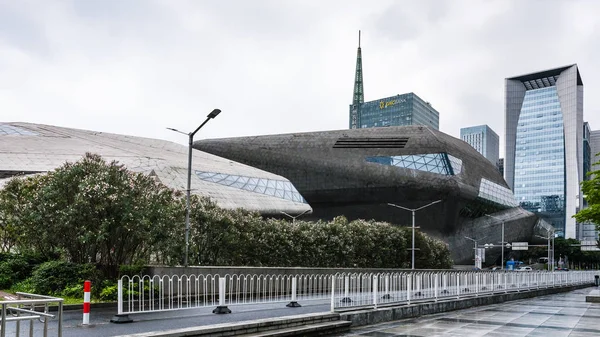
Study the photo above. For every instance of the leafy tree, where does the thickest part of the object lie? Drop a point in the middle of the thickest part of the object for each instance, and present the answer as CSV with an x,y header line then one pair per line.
x,y
591,192
92,212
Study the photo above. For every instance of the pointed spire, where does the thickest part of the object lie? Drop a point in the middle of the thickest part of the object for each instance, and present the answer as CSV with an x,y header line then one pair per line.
x,y
358,77
358,97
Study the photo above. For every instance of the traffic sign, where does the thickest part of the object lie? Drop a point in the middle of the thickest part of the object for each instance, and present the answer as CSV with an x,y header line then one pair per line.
x,y
590,245
520,246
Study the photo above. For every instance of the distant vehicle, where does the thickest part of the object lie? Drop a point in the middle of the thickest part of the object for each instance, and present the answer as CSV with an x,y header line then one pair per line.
x,y
524,269
561,269
496,268
543,260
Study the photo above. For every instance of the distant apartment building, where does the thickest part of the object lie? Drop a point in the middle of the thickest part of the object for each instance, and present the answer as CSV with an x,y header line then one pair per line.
x,y
501,166
484,140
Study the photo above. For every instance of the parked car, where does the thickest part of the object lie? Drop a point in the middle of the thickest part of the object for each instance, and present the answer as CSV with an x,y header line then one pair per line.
x,y
524,269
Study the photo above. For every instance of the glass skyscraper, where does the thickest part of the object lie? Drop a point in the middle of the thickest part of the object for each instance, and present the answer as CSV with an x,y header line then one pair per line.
x,y
484,140
406,109
544,161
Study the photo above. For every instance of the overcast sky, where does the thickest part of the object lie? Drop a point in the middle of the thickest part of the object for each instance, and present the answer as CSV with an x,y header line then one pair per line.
x,y
137,66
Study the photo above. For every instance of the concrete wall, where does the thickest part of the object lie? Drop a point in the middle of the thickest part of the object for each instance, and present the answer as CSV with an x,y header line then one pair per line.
x,y
222,271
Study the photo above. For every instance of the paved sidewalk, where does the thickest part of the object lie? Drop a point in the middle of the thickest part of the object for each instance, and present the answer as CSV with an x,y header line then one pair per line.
x,y
564,314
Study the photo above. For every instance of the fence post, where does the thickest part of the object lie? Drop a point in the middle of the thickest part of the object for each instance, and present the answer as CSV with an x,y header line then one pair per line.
x,y
333,279
293,303
435,287
476,284
87,287
120,317
375,285
408,287
346,298
387,295
457,285
3,320
221,308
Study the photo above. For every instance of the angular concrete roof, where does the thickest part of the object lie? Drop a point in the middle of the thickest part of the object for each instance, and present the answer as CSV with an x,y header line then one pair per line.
x,y
31,148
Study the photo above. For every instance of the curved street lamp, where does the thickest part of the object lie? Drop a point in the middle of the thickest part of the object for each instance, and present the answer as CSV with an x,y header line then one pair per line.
x,y
295,217
413,210
210,116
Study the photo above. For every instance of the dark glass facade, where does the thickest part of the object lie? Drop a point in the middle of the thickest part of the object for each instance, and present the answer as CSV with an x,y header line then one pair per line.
x,y
406,109
441,163
540,176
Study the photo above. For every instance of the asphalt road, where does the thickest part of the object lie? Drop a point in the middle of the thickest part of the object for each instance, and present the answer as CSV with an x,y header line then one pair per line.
x,y
100,325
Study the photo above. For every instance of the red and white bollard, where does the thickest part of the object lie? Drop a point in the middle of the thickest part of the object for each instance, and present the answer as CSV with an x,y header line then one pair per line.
x,y
87,287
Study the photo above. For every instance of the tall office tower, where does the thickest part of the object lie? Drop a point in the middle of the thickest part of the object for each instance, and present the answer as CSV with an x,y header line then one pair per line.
x,y
501,166
406,109
587,231
544,144
595,149
484,140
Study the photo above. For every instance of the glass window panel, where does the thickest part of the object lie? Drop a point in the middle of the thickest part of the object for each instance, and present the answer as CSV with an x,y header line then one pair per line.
x,y
432,162
277,188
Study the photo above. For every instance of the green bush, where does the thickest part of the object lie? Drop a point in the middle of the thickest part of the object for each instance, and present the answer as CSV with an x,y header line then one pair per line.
x,y
131,270
25,286
73,291
109,293
6,276
54,277
13,269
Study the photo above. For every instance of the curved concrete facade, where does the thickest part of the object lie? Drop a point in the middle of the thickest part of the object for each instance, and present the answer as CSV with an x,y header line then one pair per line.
x,y
356,173
34,148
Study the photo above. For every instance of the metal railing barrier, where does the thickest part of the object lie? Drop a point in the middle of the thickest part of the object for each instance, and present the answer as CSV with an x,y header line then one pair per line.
x,y
31,308
140,294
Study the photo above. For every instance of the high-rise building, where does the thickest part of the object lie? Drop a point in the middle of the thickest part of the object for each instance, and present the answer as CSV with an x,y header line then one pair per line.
x,y
406,109
595,148
587,231
501,166
544,162
484,140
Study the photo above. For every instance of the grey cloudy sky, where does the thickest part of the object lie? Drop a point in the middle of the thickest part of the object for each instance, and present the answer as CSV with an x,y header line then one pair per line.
x,y
278,66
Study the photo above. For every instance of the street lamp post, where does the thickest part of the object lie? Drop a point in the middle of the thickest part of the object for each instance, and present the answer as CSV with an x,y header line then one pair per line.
x,y
548,238
295,217
413,210
210,116
475,248
502,244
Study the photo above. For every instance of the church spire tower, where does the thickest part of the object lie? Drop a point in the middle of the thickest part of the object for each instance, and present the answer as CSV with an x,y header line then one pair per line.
x,y
358,97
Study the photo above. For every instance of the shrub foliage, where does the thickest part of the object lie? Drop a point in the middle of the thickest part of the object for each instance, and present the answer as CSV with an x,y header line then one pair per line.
x,y
99,213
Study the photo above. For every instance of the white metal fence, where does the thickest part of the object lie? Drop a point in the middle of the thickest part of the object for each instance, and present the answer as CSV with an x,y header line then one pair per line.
x,y
138,294
372,290
161,293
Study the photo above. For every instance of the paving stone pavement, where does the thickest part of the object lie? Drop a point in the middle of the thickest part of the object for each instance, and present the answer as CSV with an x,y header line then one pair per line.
x,y
564,314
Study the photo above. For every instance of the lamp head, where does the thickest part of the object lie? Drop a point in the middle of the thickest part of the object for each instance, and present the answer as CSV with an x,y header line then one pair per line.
x,y
214,113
